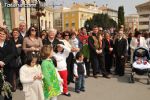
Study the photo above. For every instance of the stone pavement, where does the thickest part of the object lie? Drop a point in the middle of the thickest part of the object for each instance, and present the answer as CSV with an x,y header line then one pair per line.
x,y
116,88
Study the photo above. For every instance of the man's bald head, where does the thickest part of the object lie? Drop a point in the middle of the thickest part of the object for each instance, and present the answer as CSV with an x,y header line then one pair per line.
x,y
22,27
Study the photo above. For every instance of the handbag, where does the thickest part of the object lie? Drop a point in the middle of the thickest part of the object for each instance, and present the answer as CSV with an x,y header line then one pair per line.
x,y
18,62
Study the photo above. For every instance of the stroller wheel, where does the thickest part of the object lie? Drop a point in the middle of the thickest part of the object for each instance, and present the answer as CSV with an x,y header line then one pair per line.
x,y
148,82
131,79
148,75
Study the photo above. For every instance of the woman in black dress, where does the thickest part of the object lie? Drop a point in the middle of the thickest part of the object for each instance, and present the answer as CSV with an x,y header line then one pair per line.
x,y
108,52
7,54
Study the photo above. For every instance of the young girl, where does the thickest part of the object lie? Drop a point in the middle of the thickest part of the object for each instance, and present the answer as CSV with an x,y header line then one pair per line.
x,y
51,77
86,54
61,54
31,78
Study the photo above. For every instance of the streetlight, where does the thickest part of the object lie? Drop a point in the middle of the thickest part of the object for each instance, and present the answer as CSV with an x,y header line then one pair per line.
x,y
39,9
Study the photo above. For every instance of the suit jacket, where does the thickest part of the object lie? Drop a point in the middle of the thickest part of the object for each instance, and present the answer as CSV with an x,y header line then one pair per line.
x,y
47,42
92,47
19,41
120,47
7,52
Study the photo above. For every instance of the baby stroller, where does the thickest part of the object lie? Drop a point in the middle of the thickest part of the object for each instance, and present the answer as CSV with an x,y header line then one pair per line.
x,y
141,65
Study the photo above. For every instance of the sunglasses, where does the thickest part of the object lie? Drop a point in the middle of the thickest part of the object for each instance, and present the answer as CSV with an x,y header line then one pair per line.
x,y
33,29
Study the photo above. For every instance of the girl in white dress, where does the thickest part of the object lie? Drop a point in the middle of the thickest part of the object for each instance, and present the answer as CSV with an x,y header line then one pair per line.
x,y
31,78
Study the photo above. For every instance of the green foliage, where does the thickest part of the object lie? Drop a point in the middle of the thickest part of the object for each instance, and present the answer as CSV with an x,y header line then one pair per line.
x,y
121,18
101,20
6,86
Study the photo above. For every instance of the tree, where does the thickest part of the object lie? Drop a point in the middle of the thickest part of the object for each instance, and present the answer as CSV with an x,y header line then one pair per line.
x,y
120,16
101,20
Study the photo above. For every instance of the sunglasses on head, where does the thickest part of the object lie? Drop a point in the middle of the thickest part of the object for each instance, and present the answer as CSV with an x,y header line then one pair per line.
x,y
67,35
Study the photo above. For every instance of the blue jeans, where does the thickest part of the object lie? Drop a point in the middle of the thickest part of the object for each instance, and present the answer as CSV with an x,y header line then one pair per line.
x,y
79,83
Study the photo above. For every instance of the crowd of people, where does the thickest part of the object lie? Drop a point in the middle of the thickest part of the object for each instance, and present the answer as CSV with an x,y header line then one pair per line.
x,y
45,63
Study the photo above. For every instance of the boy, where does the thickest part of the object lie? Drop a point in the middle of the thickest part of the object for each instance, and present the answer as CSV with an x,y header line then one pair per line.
x,y
79,72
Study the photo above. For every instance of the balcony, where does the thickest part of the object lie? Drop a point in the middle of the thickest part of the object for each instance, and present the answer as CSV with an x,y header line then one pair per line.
x,y
144,19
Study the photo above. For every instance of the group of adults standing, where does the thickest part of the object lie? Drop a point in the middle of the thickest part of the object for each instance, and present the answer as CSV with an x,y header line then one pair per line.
x,y
99,49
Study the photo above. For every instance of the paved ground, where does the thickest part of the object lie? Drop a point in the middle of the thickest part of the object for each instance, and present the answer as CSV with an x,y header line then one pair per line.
x,y
116,88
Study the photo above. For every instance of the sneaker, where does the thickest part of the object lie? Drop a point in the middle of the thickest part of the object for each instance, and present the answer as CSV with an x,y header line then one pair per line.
x,y
67,94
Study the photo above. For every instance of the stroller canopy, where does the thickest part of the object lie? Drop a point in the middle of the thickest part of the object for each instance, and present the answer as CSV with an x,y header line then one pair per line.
x,y
141,52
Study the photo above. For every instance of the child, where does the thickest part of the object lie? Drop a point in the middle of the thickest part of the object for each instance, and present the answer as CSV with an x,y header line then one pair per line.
x,y
75,43
85,52
31,78
51,77
79,72
61,54
141,62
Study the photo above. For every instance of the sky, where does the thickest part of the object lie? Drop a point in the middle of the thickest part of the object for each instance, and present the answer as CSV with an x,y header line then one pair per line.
x,y
129,5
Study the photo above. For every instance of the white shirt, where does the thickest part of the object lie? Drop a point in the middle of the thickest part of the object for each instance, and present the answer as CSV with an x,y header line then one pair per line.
x,y
148,43
74,43
50,40
1,44
75,71
61,58
23,34
134,43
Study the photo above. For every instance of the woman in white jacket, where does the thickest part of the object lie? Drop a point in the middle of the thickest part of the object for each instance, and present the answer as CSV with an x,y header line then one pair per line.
x,y
137,41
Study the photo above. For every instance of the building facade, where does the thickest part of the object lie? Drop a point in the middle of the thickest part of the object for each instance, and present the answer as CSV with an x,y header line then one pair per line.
x,y
57,15
132,22
47,20
143,11
111,12
44,17
75,17
12,16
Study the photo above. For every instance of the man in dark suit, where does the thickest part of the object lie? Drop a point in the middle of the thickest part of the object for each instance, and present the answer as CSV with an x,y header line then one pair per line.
x,y
96,48
51,40
120,53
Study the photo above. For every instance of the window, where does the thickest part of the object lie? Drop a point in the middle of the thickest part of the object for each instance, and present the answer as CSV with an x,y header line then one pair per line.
x,y
46,25
73,23
49,24
41,22
144,23
7,15
67,25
